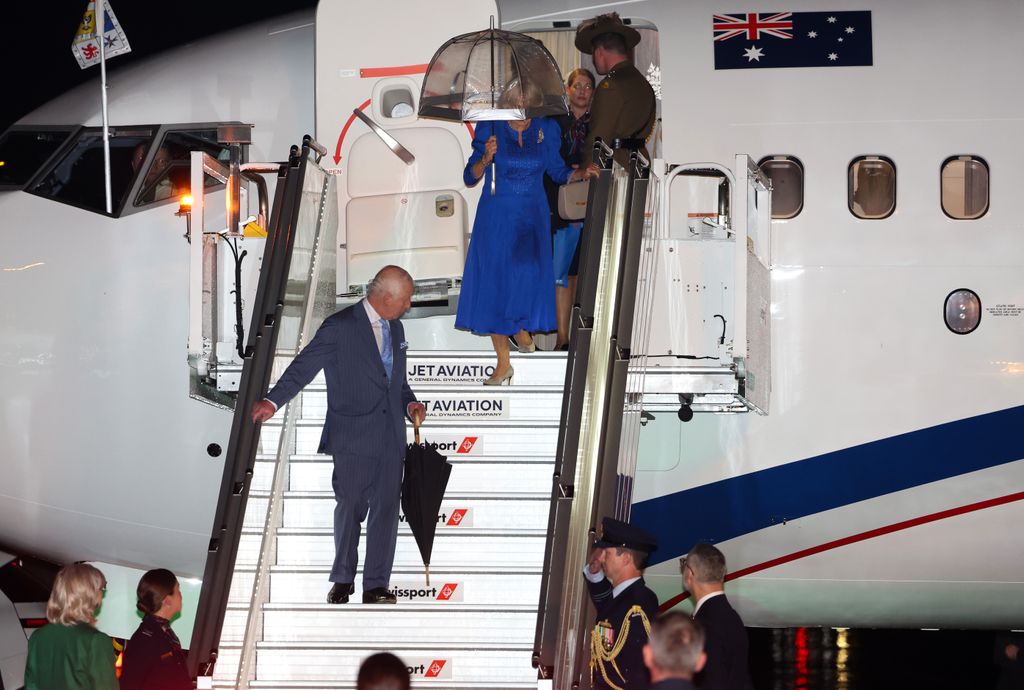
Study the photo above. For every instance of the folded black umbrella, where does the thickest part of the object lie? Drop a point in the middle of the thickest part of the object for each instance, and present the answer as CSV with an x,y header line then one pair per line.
x,y
423,487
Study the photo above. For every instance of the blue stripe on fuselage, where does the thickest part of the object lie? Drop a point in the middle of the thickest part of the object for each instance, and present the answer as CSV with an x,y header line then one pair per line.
x,y
739,505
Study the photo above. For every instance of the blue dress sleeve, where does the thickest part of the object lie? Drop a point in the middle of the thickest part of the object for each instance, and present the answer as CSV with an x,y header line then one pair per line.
x,y
554,164
483,132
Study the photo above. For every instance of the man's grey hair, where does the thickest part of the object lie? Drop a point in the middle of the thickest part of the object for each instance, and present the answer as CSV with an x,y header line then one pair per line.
x,y
708,564
676,644
390,280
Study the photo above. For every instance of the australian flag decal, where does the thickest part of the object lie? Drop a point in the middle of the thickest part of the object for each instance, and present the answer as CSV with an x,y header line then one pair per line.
x,y
792,39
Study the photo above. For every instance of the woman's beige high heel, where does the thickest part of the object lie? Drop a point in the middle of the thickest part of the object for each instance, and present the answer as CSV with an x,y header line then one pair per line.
x,y
498,381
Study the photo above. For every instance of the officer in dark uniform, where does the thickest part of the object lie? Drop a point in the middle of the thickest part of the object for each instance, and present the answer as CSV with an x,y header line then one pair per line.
x,y
625,606
153,658
624,106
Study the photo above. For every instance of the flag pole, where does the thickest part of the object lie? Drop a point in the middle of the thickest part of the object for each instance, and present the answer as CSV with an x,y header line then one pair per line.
x,y
100,20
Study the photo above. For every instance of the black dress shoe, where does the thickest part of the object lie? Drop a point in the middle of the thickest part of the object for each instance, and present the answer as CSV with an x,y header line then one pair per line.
x,y
339,593
379,595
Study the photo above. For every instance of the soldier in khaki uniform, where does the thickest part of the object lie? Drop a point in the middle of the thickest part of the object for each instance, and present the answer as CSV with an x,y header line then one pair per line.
x,y
624,106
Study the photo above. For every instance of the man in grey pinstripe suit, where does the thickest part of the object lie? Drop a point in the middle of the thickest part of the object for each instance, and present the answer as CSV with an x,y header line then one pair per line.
x,y
362,352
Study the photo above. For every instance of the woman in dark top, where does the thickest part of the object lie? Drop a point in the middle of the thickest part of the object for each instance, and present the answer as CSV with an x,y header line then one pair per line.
x,y
153,659
580,90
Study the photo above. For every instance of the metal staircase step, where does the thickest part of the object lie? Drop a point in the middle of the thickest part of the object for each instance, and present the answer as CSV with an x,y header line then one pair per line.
x,y
511,511
474,584
452,549
458,367
465,403
350,685
428,664
313,473
483,437
405,623
445,587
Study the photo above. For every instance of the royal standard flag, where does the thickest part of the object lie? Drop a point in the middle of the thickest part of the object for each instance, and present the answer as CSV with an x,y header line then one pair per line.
x,y
792,39
86,47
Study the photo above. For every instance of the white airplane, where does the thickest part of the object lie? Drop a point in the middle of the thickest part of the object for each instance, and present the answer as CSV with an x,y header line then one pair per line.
x,y
882,488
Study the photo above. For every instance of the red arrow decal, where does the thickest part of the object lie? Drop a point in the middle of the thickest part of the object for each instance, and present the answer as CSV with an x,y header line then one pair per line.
x,y
344,131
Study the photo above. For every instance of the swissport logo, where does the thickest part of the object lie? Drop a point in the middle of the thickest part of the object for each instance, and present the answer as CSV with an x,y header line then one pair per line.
x,y
449,517
429,668
460,517
451,445
415,591
452,591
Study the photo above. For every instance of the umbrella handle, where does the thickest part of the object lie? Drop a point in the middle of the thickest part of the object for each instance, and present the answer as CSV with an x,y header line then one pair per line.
x,y
416,432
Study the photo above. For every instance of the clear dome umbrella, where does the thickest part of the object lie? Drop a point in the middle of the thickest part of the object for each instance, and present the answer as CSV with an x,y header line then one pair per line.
x,y
492,75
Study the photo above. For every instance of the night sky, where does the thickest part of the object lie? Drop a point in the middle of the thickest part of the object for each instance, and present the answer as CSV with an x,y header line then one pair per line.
x,y
36,49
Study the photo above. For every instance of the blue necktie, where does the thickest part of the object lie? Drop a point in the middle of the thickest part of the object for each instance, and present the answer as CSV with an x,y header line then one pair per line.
x,y
387,357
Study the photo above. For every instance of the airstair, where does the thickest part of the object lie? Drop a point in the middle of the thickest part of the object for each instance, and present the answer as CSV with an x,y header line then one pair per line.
x,y
473,626
533,469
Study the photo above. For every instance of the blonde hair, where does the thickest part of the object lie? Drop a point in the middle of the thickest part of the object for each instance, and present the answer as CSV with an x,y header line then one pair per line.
x,y
77,594
518,95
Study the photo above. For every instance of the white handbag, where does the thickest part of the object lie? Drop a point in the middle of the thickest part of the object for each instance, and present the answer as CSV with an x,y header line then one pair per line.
x,y
572,200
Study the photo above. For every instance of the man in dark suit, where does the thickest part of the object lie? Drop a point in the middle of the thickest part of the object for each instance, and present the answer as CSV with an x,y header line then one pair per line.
x,y
624,106
675,652
728,665
362,352
625,606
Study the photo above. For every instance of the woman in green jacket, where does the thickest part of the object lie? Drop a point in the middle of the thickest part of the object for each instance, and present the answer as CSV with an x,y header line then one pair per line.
x,y
70,653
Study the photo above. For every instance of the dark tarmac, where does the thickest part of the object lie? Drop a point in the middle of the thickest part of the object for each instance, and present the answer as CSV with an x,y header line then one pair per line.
x,y
859,659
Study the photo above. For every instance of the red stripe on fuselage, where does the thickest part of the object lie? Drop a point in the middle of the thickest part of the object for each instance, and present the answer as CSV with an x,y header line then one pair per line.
x,y
371,72
853,539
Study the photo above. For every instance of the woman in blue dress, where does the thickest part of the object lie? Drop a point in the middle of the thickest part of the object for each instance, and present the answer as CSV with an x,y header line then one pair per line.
x,y
508,281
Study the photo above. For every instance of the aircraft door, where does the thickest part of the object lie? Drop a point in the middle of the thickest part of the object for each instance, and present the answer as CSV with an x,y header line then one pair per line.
x,y
401,196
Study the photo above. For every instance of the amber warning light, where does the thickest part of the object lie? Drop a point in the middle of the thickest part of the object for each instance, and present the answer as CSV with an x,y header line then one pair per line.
x,y
185,203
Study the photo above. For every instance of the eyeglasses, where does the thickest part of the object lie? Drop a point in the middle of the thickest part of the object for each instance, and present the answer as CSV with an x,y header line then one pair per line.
x,y
581,87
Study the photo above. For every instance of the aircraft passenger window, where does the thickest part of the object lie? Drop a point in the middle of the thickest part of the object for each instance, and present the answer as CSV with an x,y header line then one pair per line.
x,y
23,152
872,187
169,173
787,176
78,177
964,187
962,311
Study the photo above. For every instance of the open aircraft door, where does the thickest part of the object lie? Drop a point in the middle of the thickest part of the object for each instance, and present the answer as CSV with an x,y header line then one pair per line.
x,y
710,347
401,196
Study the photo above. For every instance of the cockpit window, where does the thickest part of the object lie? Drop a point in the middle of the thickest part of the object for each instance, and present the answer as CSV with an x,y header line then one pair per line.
x,y
78,178
169,171
23,152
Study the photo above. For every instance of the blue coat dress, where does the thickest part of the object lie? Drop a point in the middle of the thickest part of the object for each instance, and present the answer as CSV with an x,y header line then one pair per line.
x,y
508,283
